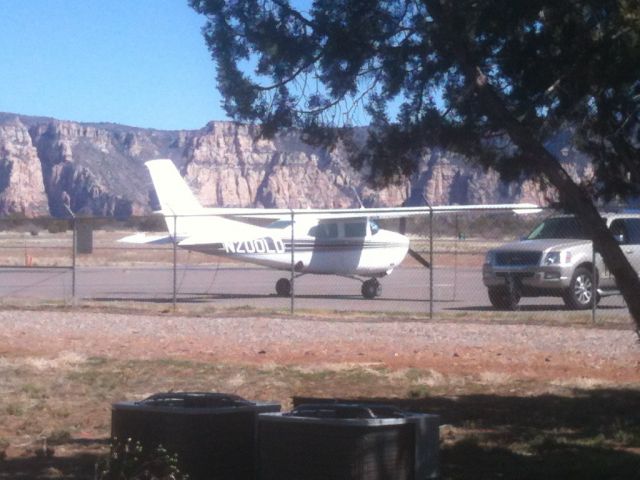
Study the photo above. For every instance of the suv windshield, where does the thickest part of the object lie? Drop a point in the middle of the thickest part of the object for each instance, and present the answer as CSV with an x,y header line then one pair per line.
x,y
558,227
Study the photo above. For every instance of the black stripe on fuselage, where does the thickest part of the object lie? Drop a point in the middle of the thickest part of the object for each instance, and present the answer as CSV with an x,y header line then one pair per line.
x,y
314,246
339,246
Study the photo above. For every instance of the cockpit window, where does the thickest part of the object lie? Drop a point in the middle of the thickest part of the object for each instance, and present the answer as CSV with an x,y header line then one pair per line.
x,y
355,229
374,227
324,230
278,224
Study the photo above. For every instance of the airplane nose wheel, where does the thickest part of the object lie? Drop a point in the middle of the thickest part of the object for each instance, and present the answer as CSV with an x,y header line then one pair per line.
x,y
283,287
371,288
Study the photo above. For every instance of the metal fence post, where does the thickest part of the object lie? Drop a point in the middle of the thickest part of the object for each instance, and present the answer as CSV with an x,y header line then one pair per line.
x,y
594,291
430,262
455,258
74,251
175,261
293,268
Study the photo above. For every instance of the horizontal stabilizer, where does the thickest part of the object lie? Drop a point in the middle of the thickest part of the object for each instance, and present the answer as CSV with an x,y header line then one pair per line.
x,y
144,239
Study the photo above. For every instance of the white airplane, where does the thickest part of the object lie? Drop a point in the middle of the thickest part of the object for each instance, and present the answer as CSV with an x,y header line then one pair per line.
x,y
344,242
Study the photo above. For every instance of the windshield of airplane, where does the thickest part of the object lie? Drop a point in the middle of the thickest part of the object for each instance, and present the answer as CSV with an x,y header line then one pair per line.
x,y
558,227
280,224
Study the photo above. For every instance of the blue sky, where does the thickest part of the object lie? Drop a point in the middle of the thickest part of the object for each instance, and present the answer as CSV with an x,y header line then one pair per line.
x,y
137,62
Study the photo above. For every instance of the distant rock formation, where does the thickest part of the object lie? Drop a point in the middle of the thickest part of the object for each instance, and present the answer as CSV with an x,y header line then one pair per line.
x,y
21,183
98,170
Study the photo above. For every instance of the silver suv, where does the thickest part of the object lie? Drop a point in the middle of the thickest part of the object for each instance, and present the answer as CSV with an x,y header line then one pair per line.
x,y
556,259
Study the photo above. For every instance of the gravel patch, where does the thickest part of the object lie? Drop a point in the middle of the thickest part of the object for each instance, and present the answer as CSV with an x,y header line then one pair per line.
x,y
548,353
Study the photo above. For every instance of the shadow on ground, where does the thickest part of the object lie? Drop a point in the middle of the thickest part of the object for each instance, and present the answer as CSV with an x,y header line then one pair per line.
x,y
535,308
50,465
593,434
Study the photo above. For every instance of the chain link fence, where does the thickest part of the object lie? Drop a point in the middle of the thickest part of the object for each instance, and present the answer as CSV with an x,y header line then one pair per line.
x,y
83,260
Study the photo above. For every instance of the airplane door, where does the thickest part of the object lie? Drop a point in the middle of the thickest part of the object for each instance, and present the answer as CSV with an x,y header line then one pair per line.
x,y
337,247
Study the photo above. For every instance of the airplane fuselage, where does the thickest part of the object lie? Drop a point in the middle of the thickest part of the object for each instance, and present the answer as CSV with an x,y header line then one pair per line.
x,y
343,248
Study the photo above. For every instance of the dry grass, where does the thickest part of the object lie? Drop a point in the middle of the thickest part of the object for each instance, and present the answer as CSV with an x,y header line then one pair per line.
x,y
489,421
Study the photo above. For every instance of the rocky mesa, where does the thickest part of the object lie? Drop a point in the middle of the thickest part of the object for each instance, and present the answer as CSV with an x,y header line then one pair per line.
x,y
48,166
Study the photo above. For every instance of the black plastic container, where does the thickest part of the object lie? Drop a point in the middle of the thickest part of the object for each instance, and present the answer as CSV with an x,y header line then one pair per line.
x,y
213,434
348,442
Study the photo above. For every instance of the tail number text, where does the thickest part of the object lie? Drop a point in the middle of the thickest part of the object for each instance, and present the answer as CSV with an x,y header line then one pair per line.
x,y
259,245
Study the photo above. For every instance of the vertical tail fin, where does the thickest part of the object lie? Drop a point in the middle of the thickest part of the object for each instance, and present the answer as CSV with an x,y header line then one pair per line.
x,y
178,203
174,194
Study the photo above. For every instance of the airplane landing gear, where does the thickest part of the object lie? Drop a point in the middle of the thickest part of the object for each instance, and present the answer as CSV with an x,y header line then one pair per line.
x,y
371,288
283,287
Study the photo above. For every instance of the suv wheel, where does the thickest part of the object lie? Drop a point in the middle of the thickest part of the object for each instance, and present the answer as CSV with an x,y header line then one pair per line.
x,y
504,298
579,295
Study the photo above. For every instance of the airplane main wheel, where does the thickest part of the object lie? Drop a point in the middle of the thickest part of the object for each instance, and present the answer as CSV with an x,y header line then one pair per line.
x,y
371,288
283,287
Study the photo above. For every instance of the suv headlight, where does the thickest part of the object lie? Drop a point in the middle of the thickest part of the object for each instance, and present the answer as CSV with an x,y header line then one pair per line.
x,y
556,258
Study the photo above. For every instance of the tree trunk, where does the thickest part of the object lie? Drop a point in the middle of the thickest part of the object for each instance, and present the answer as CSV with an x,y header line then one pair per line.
x,y
574,198
572,195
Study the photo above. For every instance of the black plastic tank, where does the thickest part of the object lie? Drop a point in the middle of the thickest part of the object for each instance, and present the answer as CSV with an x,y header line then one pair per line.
x,y
213,434
348,442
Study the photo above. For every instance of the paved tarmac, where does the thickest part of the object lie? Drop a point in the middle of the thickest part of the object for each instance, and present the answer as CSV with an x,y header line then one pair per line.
x,y
405,290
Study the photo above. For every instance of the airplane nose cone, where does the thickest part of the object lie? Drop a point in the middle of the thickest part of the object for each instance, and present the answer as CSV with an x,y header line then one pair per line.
x,y
400,244
400,239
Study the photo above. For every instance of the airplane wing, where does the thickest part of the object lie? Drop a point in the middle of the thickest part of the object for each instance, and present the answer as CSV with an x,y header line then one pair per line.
x,y
242,231
375,213
404,212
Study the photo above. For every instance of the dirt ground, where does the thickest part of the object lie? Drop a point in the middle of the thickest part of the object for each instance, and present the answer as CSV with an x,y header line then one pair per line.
x,y
576,355
60,370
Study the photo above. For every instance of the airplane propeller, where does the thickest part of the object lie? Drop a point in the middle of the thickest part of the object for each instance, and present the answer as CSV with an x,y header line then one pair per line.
x,y
419,258
402,227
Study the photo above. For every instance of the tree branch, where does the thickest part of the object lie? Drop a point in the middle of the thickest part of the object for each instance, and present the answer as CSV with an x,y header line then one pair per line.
x,y
571,195
291,77
284,5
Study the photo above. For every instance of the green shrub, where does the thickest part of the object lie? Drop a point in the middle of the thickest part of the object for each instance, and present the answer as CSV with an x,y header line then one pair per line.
x,y
128,460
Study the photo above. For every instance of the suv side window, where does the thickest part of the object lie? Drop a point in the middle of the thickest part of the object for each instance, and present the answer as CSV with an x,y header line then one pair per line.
x,y
633,230
619,230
